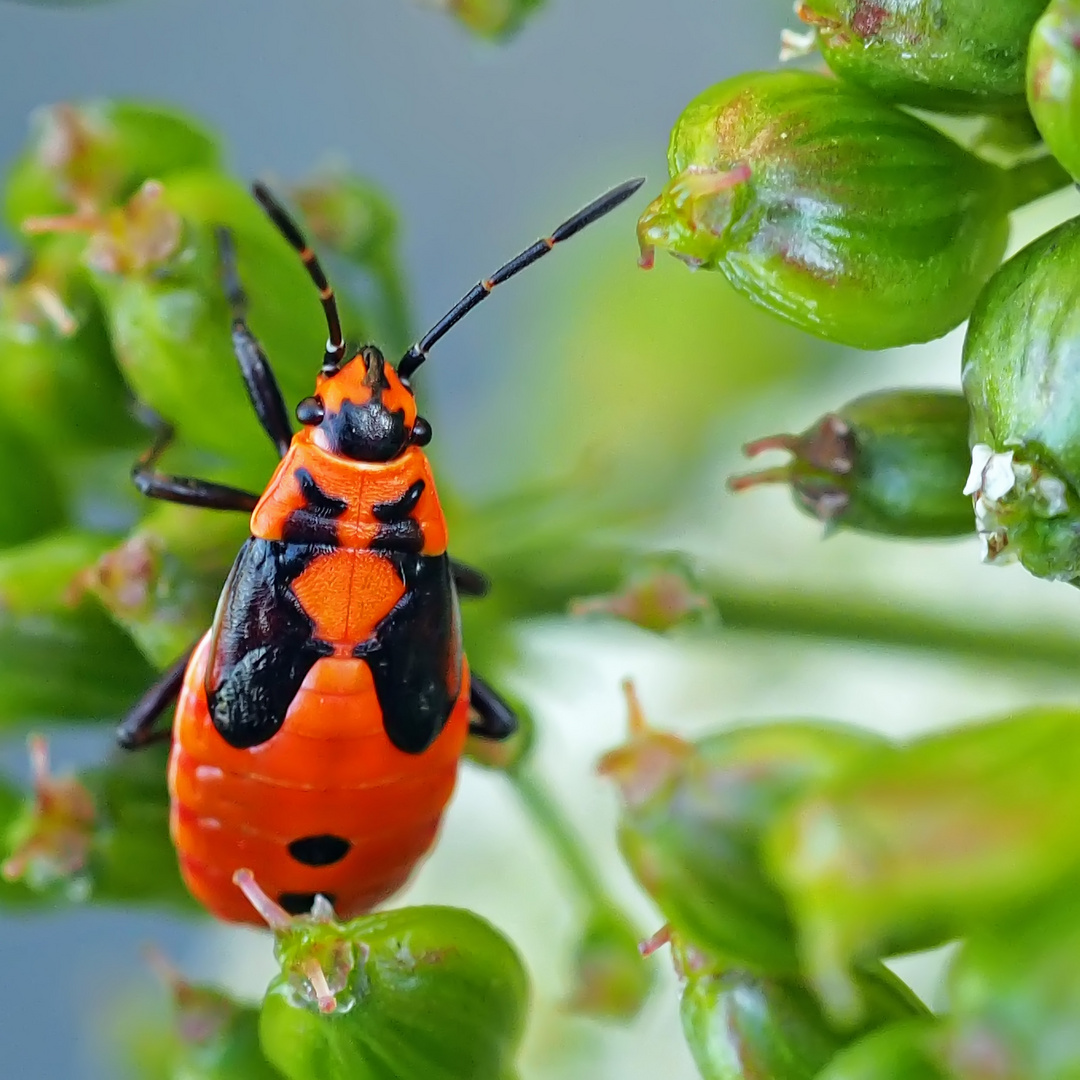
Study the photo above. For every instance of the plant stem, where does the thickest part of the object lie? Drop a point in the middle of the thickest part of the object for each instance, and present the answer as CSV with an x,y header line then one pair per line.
x,y
548,818
831,616
1032,180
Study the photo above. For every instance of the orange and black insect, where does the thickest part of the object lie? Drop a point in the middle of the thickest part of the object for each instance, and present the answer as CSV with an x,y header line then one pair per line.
x,y
320,720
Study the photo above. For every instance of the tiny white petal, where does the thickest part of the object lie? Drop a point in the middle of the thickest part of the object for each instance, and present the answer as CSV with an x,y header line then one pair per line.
x,y
980,456
998,476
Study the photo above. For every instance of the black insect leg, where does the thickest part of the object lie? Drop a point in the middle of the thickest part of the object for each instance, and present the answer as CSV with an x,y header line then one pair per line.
x,y
494,718
468,580
185,489
258,376
137,728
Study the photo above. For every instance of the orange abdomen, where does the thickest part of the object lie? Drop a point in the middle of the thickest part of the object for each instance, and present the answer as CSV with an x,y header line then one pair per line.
x,y
326,805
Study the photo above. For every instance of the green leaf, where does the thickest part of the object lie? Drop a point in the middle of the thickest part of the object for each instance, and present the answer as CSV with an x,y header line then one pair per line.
x,y
61,656
1053,91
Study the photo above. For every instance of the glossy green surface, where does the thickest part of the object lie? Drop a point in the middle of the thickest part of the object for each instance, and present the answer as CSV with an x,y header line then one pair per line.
x,y
436,994
1053,81
743,1027
942,55
854,221
1021,362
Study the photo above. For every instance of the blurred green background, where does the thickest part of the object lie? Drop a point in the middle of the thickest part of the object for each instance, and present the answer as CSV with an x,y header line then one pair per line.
x,y
588,377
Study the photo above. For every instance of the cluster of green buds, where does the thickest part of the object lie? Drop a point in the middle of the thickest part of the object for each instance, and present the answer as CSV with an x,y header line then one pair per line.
x,y
890,463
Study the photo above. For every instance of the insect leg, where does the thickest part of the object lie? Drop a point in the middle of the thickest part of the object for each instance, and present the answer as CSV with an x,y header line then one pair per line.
x,y
136,730
185,489
468,580
258,376
494,719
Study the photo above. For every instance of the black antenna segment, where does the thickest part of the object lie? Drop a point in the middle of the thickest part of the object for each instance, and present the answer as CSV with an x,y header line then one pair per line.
x,y
417,354
335,342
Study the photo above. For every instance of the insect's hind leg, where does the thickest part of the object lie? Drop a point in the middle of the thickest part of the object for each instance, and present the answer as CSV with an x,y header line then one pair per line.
x,y
184,489
262,386
137,728
468,580
494,718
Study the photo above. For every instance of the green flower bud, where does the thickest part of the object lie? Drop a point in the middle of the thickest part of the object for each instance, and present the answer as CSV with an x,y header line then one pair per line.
x,y
903,1051
953,56
494,19
103,834
427,992
741,1026
891,462
94,155
1053,89
1018,359
61,656
913,848
59,384
162,584
693,818
854,221
352,217
659,595
1014,992
611,979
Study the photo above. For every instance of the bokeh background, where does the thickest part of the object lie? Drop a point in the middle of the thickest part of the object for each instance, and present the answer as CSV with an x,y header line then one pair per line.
x,y
585,366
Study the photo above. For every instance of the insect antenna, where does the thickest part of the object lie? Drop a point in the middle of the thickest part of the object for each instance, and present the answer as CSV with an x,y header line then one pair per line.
x,y
417,354
335,342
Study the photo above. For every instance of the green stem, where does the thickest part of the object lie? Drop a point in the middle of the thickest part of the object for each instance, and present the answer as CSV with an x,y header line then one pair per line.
x,y
831,616
550,822
1032,180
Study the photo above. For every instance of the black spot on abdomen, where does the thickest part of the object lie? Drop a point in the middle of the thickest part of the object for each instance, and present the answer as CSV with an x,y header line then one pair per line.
x,y
322,850
301,903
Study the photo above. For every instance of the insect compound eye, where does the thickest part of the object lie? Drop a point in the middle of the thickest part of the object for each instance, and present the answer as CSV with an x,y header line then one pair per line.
x,y
421,432
310,411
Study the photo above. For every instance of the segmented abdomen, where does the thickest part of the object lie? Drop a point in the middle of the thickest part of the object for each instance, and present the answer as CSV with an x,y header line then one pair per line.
x,y
326,805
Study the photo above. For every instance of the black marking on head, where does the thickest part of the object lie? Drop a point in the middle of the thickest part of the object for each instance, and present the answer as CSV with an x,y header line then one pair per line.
x,y
368,432
301,903
315,522
322,850
421,432
415,653
263,642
